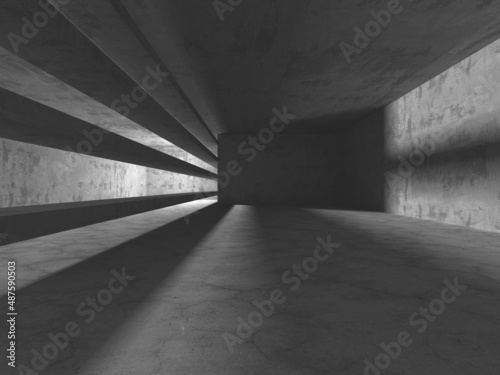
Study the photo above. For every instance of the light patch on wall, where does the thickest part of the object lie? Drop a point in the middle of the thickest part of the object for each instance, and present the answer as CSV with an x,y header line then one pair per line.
x,y
32,175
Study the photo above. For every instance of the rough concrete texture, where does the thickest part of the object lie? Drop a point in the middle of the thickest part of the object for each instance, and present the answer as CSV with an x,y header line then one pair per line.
x,y
434,153
111,33
24,120
191,284
292,169
25,79
230,74
185,156
31,175
62,63
448,134
288,51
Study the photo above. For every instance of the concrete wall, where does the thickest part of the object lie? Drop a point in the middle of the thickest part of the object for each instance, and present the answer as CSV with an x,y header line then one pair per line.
x,y
292,169
361,159
452,124
32,175
441,144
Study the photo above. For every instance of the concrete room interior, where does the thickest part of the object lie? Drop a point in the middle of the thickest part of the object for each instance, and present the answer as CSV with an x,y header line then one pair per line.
x,y
250,187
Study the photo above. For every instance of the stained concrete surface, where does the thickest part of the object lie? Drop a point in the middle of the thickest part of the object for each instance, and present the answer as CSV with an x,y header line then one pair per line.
x,y
448,130
192,282
27,121
434,153
32,175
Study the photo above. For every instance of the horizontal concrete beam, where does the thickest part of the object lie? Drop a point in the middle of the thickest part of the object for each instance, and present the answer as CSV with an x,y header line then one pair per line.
x,y
159,24
113,35
28,121
68,56
24,223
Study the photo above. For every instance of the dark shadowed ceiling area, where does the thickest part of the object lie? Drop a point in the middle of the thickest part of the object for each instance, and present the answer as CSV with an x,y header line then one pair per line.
x,y
223,71
267,54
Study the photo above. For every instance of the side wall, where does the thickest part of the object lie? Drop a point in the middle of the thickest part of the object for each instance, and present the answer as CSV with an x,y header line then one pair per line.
x,y
441,147
291,169
32,175
452,125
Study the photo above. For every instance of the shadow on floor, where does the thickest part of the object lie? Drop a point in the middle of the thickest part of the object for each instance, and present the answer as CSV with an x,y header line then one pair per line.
x,y
47,306
386,269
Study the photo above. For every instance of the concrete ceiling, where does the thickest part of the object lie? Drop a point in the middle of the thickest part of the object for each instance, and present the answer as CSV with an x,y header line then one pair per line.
x,y
267,54
226,72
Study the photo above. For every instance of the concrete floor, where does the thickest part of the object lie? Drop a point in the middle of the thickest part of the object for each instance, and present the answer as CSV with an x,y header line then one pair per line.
x,y
194,284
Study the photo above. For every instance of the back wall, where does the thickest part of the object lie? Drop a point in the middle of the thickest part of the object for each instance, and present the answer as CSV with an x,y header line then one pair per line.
x,y
290,169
